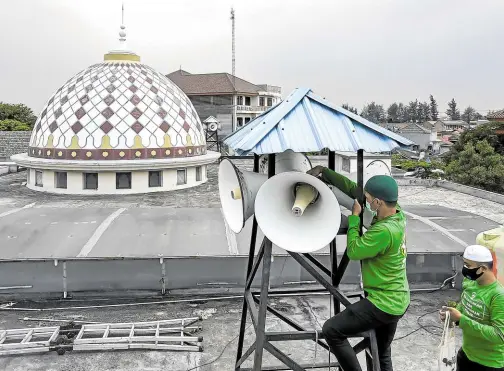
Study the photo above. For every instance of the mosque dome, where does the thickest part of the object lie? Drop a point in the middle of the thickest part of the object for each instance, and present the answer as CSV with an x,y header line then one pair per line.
x,y
118,110
117,127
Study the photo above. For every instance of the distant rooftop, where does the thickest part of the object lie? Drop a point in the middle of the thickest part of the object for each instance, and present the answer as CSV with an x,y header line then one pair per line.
x,y
497,115
455,122
215,83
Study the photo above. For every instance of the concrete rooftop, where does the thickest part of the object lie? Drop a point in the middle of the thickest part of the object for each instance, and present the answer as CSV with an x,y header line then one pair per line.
x,y
190,222
416,352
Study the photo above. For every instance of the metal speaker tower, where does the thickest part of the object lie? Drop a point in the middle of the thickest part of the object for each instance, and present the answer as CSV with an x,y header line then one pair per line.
x,y
233,71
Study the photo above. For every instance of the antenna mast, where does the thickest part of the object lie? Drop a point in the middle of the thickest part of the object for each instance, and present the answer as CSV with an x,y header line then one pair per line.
x,y
233,36
233,72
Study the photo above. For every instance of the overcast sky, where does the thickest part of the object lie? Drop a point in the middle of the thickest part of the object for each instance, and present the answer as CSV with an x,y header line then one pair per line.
x,y
354,51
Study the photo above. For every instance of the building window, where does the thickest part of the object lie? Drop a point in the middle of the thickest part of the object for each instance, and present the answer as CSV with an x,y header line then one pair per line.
x,y
345,166
198,173
181,177
261,101
60,178
155,179
123,180
247,101
239,121
90,180
239,100
270,102
38,178
247,120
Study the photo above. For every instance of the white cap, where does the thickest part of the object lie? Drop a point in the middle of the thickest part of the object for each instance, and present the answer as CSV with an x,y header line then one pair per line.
x,y
478,253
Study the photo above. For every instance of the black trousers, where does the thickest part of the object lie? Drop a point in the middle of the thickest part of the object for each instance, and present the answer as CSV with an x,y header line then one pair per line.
x,y
359,317
465,364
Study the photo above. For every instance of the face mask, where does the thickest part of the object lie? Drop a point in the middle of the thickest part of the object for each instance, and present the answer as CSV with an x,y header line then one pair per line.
x,y
471,273
368,206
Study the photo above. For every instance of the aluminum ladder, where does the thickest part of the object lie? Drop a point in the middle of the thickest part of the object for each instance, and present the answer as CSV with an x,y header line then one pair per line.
x,y
174,334
28,340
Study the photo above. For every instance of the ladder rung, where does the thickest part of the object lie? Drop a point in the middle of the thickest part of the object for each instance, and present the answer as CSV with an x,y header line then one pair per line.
x,y
27,337
81,332
54,336
105,334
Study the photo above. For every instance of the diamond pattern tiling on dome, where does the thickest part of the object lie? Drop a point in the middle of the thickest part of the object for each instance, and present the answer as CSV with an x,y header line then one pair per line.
x,y
114,111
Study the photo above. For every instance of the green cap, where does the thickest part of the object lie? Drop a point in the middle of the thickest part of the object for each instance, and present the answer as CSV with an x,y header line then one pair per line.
x,y
383,187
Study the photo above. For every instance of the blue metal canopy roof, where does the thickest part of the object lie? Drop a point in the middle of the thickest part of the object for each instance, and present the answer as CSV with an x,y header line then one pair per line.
x,y
305,122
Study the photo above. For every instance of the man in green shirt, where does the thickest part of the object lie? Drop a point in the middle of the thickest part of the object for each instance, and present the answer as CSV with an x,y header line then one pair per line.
x,y
480,314
382,250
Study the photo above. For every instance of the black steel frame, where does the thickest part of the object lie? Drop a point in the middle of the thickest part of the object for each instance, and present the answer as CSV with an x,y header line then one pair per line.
x,y
212,140
256,303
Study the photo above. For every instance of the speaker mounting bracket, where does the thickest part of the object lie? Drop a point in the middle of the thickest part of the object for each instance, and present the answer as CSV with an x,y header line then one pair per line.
x,y
255,303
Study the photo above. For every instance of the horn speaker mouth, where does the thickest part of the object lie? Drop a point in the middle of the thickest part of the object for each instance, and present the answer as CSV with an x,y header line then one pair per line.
x,y
305,195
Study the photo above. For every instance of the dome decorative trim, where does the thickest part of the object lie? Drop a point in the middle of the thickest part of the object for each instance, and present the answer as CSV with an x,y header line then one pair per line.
x,y
121,57
117,154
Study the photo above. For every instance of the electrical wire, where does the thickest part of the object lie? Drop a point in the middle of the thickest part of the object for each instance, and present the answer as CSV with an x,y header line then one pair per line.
x,y
219,356
421,327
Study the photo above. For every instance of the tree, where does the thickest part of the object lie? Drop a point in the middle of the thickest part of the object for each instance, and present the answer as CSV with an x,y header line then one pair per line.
x,y
469,114
413,111
423,112
452,110
393,113
478,165
402,113
18,112
373,112
14,125
433,109
350,108
477,159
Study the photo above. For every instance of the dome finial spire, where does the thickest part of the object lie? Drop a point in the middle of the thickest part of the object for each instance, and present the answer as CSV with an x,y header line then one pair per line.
x,y
122,53
122,33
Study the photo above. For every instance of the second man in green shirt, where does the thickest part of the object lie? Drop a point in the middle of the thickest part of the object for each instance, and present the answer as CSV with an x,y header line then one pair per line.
x,y
382,250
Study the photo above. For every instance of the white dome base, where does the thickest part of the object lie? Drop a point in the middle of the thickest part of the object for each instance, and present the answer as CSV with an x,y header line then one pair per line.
x,y
114,177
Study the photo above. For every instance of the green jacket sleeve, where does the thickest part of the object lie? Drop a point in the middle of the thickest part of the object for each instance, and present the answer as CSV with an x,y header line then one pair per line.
x,y
341,182
370,244
493,332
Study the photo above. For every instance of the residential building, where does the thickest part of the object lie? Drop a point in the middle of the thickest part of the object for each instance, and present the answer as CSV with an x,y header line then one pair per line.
x,y
423,137
452,125
427,136
215,94
448,127
496,116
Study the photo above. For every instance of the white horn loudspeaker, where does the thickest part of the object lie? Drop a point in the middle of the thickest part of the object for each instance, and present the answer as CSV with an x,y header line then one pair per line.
x,y
286,161
297,212
238,189
376,167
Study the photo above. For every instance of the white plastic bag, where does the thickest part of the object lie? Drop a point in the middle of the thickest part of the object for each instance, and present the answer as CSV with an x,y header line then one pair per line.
x,y
448,348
